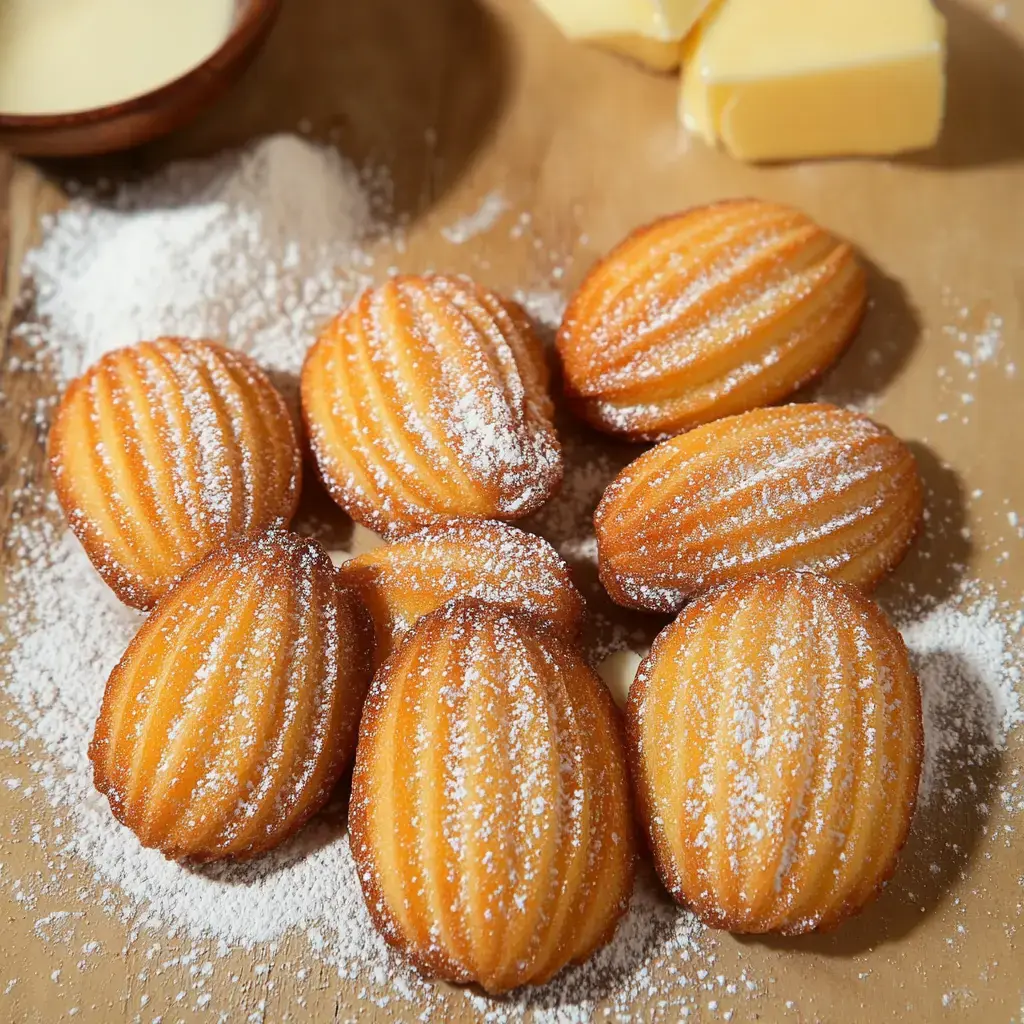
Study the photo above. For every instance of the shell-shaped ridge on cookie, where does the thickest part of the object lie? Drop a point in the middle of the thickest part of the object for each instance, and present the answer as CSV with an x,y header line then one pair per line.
x,y
486,560
803,486
425,401
490,819
775,737
235,709
162,451
708,313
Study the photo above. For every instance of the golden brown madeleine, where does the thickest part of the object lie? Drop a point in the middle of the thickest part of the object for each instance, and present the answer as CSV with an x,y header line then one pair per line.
x,y
235,709
490,817
490,561
163,451
798,487
775,736
426,401
710,312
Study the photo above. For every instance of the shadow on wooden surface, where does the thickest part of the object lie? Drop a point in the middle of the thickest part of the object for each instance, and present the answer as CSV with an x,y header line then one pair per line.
x,y
415,88
882,347
947,829
950,824
940,557
318,516
984,93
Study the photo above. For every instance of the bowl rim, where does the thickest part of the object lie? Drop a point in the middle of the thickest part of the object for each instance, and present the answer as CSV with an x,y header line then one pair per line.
x,y
254,19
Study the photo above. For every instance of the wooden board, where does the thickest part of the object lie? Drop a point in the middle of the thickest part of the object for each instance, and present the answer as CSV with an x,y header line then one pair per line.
x,y
458,98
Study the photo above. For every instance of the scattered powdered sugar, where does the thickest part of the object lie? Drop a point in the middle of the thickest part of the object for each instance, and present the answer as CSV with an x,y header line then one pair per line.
x,y
964,650
968,347
967,655
56,678
486,215
258,248
975,345
545,305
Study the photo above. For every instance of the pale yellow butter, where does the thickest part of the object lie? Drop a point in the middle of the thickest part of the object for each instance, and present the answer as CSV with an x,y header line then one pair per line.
x,y
649,31
618,672
361,542
655,19
694,111
657,54
788,79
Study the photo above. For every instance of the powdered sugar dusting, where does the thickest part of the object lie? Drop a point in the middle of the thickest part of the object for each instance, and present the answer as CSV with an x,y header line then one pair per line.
x,y
424,400
545,305
667,332
967,654
802,486
501,757
55,677
256,248
199,446
485,561
804,765
262,257
491,207
207,250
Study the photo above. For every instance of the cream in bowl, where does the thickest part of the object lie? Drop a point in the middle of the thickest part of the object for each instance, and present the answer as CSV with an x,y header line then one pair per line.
x,y
61,56
89,76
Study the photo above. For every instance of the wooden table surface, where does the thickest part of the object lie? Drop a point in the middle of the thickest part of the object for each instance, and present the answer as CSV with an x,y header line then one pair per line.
x,y
457,98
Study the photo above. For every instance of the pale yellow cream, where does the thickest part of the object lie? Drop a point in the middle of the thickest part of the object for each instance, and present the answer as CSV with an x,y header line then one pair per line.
x,y
649,31
59,56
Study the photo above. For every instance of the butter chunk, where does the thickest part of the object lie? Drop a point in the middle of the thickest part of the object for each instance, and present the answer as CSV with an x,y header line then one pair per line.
x,y
657,54
618,671
361,541
694,110
787,79
668,20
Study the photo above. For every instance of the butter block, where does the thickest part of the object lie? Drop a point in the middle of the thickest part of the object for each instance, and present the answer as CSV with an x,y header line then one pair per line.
x,y
361,541
665,20
618,671
657,54
694,110
790,79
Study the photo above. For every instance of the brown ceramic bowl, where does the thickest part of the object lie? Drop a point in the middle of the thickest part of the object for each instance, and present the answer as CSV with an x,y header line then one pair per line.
x,y
141,118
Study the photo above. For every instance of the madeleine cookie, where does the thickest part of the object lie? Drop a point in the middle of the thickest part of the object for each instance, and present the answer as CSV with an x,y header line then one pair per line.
x,y
427,401
163,451
711,312
490,817
776,740
490,561
797,487
235,709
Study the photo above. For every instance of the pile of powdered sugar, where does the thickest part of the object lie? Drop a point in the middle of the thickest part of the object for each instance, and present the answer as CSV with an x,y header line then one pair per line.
x,y
967,654
258,248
